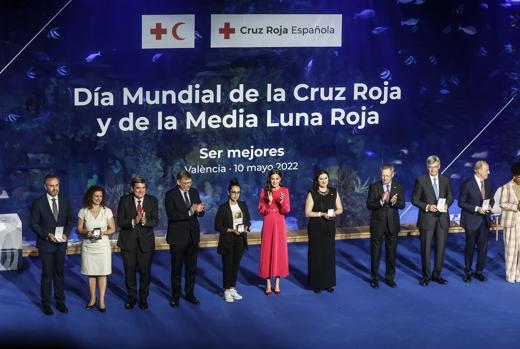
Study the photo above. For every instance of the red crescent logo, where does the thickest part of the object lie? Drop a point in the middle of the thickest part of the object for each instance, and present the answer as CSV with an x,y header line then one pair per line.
x,y
174,31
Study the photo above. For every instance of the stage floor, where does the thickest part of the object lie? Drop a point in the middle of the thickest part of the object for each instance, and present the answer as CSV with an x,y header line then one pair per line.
x,y
474,315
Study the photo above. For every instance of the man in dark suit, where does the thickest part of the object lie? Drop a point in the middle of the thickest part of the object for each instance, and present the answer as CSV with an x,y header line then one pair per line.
x,y
433,220
475,219
385,198
137,215
183,206
51,216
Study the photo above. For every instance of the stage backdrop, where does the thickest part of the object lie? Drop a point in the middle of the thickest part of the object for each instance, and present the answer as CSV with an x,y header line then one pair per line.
x,y
112,89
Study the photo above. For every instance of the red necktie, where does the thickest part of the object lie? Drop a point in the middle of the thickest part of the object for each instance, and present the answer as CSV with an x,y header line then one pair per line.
x,y
139,207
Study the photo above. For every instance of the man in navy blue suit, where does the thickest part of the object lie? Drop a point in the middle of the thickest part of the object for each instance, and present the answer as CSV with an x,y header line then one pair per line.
x,y
475,218
51,216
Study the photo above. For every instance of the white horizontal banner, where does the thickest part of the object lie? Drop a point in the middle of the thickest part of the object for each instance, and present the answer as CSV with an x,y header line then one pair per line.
x,y
288,30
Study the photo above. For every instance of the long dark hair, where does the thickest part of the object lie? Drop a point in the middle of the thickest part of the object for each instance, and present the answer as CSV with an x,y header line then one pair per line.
x,y
268,188
315,183
87,197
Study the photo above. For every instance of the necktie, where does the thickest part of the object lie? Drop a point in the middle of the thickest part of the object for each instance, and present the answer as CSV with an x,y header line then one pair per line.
x,y
187,200
482,190
388,193
139,207
435,188
54,209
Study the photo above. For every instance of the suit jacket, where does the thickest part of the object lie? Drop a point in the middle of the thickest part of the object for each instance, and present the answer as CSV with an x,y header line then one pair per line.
x,y
469,198
386,214
509,206
224,220
42,222
423,194
141,235
182,228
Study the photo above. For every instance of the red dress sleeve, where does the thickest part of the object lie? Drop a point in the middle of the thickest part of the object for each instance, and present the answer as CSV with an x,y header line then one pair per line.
x,y
285,206
263,207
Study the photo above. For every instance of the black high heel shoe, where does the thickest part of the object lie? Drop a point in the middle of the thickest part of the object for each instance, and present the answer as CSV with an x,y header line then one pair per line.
x,y
102,310
90,307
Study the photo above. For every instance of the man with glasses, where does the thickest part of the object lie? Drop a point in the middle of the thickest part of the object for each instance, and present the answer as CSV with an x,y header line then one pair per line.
x,y
433,196
137,215
183,207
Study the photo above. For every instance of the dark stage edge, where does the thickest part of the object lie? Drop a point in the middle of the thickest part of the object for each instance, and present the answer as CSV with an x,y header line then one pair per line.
x,y
457,315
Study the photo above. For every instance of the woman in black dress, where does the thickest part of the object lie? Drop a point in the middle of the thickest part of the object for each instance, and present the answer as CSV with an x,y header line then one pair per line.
x,y
232,222
322,205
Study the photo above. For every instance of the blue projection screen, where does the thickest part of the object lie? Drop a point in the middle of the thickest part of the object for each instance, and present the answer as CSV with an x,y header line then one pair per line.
x,y
100,91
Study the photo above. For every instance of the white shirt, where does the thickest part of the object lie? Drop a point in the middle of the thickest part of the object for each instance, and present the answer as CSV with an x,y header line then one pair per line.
x,y
435,184
49,199
238,217
183,197
384,190
479,181
136,200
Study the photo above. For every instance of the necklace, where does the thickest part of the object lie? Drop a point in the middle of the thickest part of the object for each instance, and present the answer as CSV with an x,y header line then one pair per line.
x,y
323,192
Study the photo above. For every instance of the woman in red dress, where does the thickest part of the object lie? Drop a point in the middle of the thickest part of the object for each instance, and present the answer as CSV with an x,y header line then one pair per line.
x,y
274,204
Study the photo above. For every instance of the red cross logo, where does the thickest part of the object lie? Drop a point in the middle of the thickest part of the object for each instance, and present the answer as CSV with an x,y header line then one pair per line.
x,y
227,30
158,31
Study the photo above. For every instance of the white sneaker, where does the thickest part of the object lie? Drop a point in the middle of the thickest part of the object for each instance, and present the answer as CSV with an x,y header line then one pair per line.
x,y
235,294
228,296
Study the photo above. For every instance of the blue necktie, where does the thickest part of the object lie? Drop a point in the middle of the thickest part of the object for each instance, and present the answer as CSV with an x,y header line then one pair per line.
x,y
435,189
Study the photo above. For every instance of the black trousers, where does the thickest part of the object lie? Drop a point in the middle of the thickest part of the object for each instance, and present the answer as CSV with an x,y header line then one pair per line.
x,y
376,241
137,261
427,235
231,263
53,265
478,237
183,255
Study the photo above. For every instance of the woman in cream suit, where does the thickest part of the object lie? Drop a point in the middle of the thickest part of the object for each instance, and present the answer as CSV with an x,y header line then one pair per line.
x,y
510,204
96,222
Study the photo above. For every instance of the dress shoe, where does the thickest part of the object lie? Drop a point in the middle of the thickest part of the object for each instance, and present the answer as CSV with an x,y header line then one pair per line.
x,y
424,282
174,303
102,310
467,277
480,277
47,310
391,283
143,305
317,290
374,283
193,300
62,308
130,304
330,289
440,280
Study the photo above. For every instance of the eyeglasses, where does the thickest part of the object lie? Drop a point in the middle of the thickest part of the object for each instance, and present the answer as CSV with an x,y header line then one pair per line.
x,y
235,192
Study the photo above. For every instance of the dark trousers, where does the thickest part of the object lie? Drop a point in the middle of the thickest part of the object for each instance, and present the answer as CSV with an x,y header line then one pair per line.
x,y
427,235
183,255
477,237
231,263
53,265
137,261
376,240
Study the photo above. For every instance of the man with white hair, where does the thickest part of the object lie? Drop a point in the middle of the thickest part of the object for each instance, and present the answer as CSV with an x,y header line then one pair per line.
x,y
476,201
433,196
